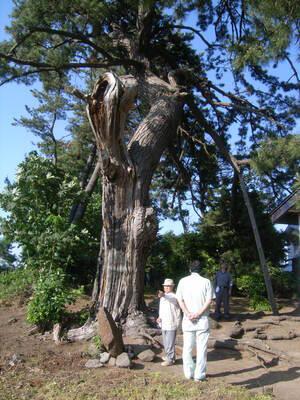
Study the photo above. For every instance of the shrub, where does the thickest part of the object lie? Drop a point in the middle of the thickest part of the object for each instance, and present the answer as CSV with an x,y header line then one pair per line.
x,y
253,286
51,295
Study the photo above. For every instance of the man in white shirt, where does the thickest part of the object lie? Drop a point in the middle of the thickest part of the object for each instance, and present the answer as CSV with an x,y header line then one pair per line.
x,y
169,320
194,294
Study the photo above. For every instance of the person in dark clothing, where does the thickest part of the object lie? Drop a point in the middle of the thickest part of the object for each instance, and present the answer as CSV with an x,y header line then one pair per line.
x,y
223,286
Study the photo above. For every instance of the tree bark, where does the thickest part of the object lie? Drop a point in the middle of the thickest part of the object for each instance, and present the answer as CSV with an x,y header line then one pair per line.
x,y
129,221
96,286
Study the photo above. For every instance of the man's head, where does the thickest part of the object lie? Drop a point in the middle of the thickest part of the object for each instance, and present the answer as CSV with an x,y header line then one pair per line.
x,y
224,266
195,266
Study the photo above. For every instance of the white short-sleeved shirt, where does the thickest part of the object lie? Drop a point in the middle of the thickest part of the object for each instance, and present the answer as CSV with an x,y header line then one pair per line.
x,y
194,290
169,312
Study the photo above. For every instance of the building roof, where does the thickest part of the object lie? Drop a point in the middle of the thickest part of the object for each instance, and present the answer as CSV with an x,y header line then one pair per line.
x,y
288,210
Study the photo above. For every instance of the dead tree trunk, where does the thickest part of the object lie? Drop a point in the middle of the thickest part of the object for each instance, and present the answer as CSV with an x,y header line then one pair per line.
x,y
129,222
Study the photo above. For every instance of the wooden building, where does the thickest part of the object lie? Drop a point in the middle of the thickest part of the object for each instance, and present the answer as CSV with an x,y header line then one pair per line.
x,y
288,213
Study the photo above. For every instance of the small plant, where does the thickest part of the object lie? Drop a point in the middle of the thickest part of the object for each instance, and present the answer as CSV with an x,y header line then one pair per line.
x,y
51,295
97,342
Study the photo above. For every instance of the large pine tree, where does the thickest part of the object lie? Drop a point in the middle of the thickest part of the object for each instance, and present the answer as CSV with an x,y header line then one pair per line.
x,y
154,92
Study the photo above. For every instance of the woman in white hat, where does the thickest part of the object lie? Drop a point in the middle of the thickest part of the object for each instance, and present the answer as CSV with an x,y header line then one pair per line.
x,y
169,320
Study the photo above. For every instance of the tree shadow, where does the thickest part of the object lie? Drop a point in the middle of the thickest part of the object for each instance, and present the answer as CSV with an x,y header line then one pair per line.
x,y
270,378
135,365
241,371
223,354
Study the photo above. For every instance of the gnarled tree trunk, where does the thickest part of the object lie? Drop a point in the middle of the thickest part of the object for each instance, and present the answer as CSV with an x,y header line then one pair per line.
x,y
129,222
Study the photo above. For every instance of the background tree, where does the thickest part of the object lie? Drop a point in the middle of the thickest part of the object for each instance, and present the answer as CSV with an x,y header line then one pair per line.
x,y
7,258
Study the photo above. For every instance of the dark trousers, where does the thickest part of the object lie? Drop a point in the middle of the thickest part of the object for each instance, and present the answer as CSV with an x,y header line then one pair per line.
x,y
222,297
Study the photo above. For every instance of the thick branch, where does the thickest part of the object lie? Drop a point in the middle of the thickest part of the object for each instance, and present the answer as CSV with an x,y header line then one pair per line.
x,y
237,102
78,36
71,65
25,74
154,133
81,207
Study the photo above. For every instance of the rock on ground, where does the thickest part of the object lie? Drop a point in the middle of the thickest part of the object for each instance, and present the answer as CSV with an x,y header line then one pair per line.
x,y
111,336
123,361
93,364
104,357
146,355
112,362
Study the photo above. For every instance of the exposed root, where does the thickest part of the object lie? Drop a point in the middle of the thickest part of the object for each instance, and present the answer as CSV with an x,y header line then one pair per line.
x,y
85,332
57,333
289,336
245,345
154,341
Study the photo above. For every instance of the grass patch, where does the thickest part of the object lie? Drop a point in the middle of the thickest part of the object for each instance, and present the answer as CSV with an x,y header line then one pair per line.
x,y
15,283
113,384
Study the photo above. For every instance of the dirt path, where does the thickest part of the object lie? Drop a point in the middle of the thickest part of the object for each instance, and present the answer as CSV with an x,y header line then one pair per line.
x,y
41,359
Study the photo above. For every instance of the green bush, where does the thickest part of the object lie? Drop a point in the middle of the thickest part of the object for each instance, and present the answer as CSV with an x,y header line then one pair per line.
x,y
51,295
16,282
259,304
284,283
253,286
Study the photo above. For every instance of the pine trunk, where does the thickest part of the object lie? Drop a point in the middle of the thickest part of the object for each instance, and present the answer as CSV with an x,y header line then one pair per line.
x,y
129,222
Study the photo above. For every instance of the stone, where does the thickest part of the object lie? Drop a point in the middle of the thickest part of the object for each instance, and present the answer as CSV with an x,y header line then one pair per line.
x,y
104,357
12,321
95,363
146,355
123,361
15,359
112,362
110,334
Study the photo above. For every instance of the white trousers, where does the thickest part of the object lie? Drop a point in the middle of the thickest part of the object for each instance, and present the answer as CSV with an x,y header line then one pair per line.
x,y
190,339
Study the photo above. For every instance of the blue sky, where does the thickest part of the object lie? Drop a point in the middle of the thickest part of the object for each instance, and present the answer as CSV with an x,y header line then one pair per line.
x,y
15,142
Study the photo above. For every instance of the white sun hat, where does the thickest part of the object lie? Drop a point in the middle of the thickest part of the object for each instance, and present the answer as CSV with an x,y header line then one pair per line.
x,y
168,282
